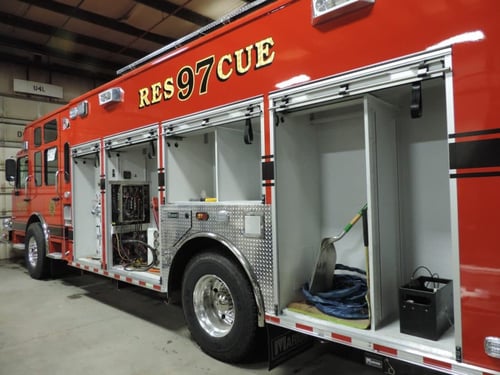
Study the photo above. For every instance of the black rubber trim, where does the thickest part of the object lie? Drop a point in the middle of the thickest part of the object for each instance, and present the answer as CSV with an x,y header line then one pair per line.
x,y
476,132
475,154
475,174
268,170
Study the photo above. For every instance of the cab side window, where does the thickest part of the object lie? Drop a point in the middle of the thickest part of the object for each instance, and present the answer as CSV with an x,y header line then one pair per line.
x,y
22,172
37,135
38,168
50,159
50,131
50,165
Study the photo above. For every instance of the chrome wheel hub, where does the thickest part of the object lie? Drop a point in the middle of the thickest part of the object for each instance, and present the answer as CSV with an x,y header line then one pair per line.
x,y
213,305
32,252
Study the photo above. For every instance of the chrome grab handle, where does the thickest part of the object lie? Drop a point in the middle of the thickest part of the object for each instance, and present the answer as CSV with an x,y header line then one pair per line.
x,y
57,182
26,180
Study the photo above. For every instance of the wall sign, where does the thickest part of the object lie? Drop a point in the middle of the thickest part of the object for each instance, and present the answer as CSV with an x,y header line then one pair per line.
x,y
37,88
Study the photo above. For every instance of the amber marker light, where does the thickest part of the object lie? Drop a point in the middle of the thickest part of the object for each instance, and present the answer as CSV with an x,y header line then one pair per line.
x,y
202,216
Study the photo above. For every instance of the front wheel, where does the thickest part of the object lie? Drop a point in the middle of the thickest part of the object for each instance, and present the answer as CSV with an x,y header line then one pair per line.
x,y
35,251
219,307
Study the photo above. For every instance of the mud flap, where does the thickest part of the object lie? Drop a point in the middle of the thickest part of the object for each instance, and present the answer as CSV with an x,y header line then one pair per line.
x,y
284,344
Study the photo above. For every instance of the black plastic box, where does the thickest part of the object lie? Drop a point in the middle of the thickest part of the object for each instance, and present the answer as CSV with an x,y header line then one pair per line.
x,y
426,307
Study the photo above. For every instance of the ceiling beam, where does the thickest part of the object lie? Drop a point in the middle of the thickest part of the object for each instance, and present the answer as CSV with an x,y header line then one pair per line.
x,y
93,64
178,11
58,68
97,19
52,31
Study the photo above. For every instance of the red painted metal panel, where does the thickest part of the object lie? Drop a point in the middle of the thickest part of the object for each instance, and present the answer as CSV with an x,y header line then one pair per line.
x,y
477,98
479,266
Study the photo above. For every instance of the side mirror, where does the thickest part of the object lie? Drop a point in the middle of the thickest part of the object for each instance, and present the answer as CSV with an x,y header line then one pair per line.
x,y
10,170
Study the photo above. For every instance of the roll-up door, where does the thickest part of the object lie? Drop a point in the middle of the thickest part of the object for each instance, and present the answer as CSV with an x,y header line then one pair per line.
x,y
410,69
221,115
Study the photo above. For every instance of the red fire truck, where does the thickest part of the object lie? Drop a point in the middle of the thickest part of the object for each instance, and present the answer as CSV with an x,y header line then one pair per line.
x,y
219,169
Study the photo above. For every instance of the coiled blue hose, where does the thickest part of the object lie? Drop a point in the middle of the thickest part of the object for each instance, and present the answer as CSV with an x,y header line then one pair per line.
x,y
346,300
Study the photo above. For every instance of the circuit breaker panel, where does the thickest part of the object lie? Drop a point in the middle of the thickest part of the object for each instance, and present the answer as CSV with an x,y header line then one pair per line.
x,y
129,203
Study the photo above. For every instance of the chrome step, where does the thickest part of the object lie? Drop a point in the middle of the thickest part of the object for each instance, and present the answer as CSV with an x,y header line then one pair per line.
x,y
18,246
54,255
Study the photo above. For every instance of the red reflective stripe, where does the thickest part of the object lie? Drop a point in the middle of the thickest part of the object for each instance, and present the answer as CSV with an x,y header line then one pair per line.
x,y
304,327
157,287
128,279
96,270
436,363
385,349
106,273
116,276
341,337
273,319
142,283
269,196
86,267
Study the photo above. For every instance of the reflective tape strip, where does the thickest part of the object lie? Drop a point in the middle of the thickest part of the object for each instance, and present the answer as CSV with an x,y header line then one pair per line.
x,y
116,276
436,363
364,341
273,319
304,327
339,337
385,349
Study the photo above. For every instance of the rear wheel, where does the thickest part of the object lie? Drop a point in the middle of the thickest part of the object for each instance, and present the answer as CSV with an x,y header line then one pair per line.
x,y
35,250
219,307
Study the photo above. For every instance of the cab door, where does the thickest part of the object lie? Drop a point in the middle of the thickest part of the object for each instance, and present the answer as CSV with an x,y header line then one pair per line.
x,y
47,185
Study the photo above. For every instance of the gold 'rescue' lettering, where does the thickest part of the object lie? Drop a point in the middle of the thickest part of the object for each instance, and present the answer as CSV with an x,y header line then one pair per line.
x,y
156,93
228,60
168,88
144,97
197,76
264,55
240,69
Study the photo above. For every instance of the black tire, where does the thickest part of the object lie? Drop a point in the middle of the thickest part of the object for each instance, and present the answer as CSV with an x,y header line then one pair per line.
x,y
224,321
37,263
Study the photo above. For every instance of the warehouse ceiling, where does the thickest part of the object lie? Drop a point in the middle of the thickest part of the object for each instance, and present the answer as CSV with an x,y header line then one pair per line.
x,y
95,38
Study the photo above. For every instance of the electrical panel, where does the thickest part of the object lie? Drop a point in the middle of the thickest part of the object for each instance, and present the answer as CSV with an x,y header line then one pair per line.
x,y
129,203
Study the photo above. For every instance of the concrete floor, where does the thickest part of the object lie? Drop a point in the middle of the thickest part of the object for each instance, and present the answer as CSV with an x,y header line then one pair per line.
x,y
86,324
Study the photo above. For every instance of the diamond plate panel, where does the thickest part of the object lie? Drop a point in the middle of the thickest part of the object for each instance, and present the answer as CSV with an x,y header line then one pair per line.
x,y
179,223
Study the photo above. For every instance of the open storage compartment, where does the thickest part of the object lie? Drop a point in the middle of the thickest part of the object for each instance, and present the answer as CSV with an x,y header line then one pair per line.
x,y
119,211
191,167
87,207
334,157
131,190
215,155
